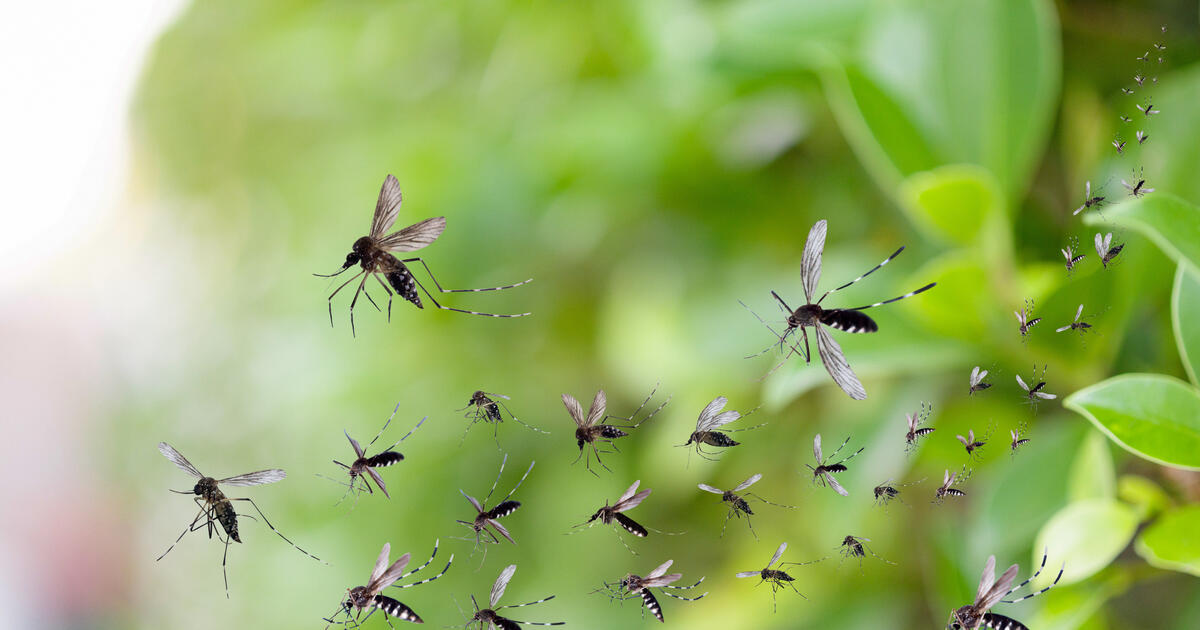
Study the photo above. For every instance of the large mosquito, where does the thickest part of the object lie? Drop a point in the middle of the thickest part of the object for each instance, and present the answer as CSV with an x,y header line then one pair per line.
x,y
361,598
777,578
738,503
364,466
976,382
484,407
588,431
374,253
1076,325
632,585
1106,250
1071,255
812,315
630,499
915,430
490,617
1025,319
486,518
1088,200
712,418
946,489
217,509
992,592
823,472
1033,393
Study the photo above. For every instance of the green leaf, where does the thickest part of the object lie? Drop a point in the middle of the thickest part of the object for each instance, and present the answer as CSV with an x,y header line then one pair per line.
x,y
1092,475
787,33
1152,416
1144,495
953,203
1171,542
1185,318
1170,222
1086,536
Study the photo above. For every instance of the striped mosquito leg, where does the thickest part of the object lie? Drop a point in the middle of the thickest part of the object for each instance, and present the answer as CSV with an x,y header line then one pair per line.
x,y
540,623
1034,594
686,599
873,270
436,541
277,532
204,511
439,286
683,588
447,568
544,599
460,310
895,299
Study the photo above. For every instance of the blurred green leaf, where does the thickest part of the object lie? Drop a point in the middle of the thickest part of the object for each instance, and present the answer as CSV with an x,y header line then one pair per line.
x,y
1185,317
1170,222
1144,495
1086,535
1152,416
1092,475
1172,542
789,32
960,305
953,202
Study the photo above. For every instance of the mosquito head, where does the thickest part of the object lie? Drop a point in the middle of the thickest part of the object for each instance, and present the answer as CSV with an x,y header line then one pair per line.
x,y
582,436
205,486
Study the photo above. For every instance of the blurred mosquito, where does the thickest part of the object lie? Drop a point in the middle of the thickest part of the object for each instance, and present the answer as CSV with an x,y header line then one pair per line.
x,y
992,592
1072,255
812,315
1126,90
946,489
887,491
484,408
364,466
915,430
1082,327
1145,56
712,418
823,472
1105,249
492,619
1160,46
1120,145
217,509
1142,137
488,518
1024,320
971,444
635,585
1137,189
977,384
777,578
1139,79
627,501
1032,394
1088,200
738,503
1148,109
374,253
1018,437
1125,118
588,432
361,598
853,547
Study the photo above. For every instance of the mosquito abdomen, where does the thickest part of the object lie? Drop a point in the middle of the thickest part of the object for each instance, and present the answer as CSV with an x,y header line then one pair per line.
x,y
504,509
380,460
716,438
849,321
227,517
773,574
396,609
403,283
610,432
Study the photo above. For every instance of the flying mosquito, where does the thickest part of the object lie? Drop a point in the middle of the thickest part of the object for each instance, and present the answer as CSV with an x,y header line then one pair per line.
x,y
1024,320
1032,394
812,315
1148,109
915,431
361,598
1160,46
374,253
1106,250
992,592
971,444
1072,255
1088,200
1139,79
489,518
853,547
712,418
484,408
777,578
946,490
977,384
738,504
364,466
492,619
1125,119
588,432
1138,188
1018,437
632,585
217,509
1145,56
823,472
1126,90
1076,325
627,501
1142,136
886,492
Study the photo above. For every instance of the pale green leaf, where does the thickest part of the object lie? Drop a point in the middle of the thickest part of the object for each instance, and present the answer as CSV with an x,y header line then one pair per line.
x,y
1152,416
1170,222
1092,475
1084,537
1173,541
1185,317
954,202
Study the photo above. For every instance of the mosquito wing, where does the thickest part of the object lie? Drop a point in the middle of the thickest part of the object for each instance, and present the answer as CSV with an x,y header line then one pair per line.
x,y
947,479
257,478
574,409
501,584
710,413
179,460
625,496
389,576
836,365
660,570
630,503
354,444
749,482
596,411
707,488
387,207
473,500
1021,382
381,563
837,487
810,262
817,448
998,590
378,481
415,236
986,579
1046,396
745,574
1100,251
778,554
963,440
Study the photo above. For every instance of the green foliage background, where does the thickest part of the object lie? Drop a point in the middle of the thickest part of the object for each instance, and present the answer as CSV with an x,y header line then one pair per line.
x,y
650,164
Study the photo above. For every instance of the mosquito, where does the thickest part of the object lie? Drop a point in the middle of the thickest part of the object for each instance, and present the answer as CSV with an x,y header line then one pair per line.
x,y
631,585
812,315
1023,318
484,408
1106,250
364,466
915,431
1148,109
1137,189
886,492
1145,56
853,547
1160,46
1032,394
823,472
1088,200
777,578
489,518
1142,136
712,418
1125,118
217,509
361,598
627,501
374,253
1018,437
977,384
946,490
1139,79
588,432
1126,90
492,619
738,504
1082,327
971,444
1072,255
1120,145
992,592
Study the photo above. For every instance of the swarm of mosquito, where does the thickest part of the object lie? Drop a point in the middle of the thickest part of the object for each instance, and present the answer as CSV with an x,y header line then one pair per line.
x,y
777,578
738,503
1106,250
976,381
991,592
915,430
824,470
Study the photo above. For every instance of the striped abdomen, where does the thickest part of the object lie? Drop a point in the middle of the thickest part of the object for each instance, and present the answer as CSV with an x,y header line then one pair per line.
x,y
492,410
403,283
610,432
393,608
223,508
1000,622
652,604
630,525
849,321
489,616
504,509
738,503
381,460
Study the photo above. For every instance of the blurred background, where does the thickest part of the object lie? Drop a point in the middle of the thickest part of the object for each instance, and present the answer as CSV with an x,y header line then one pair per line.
x,y
178,171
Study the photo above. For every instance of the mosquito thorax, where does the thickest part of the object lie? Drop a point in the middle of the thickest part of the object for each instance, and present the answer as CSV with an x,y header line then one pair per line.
x,y
205,487
807,315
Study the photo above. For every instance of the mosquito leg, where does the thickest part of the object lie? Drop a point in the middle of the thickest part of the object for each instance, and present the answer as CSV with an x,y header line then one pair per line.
x,y
190,528
224,573
335,292
268,524
459,310
361,284
439,286
388,291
